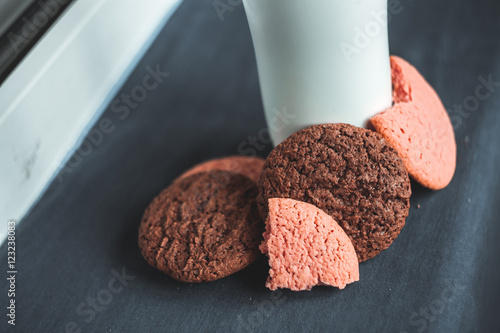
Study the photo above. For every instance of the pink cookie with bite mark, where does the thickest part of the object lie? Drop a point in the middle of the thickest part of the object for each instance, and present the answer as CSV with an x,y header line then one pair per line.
x,y
249,167
306,247
418,127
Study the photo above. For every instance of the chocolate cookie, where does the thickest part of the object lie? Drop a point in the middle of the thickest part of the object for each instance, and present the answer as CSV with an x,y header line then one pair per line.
x,y
202,227
351,173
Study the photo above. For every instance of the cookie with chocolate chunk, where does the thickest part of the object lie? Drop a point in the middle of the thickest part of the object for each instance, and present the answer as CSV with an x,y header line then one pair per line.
x,y
203,227
351,173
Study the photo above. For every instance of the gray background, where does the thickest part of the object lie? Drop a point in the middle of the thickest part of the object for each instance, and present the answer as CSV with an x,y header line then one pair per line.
x,y
441,274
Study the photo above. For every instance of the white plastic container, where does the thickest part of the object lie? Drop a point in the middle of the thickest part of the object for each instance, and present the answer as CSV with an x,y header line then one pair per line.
x,y
320,61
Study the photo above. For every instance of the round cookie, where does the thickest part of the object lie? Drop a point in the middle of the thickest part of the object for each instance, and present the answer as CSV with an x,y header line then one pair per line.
x,y
247,166
202,227
418,127
351,173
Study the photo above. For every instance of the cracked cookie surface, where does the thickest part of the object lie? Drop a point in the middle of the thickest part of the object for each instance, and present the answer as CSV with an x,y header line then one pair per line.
x,y
351,173
202,227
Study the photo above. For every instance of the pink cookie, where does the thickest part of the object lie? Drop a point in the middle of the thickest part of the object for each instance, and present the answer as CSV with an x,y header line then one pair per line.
x,y
418,127
306,247
249,167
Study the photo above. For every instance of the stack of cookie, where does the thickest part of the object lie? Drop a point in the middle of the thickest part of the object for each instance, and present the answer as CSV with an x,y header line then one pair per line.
x,y
331,196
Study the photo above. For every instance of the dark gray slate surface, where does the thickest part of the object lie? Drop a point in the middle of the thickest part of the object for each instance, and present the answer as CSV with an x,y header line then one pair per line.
x,y
441,275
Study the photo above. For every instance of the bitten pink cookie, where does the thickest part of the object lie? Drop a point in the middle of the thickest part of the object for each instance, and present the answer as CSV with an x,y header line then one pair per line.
x,y
418,127
247,166
306,247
